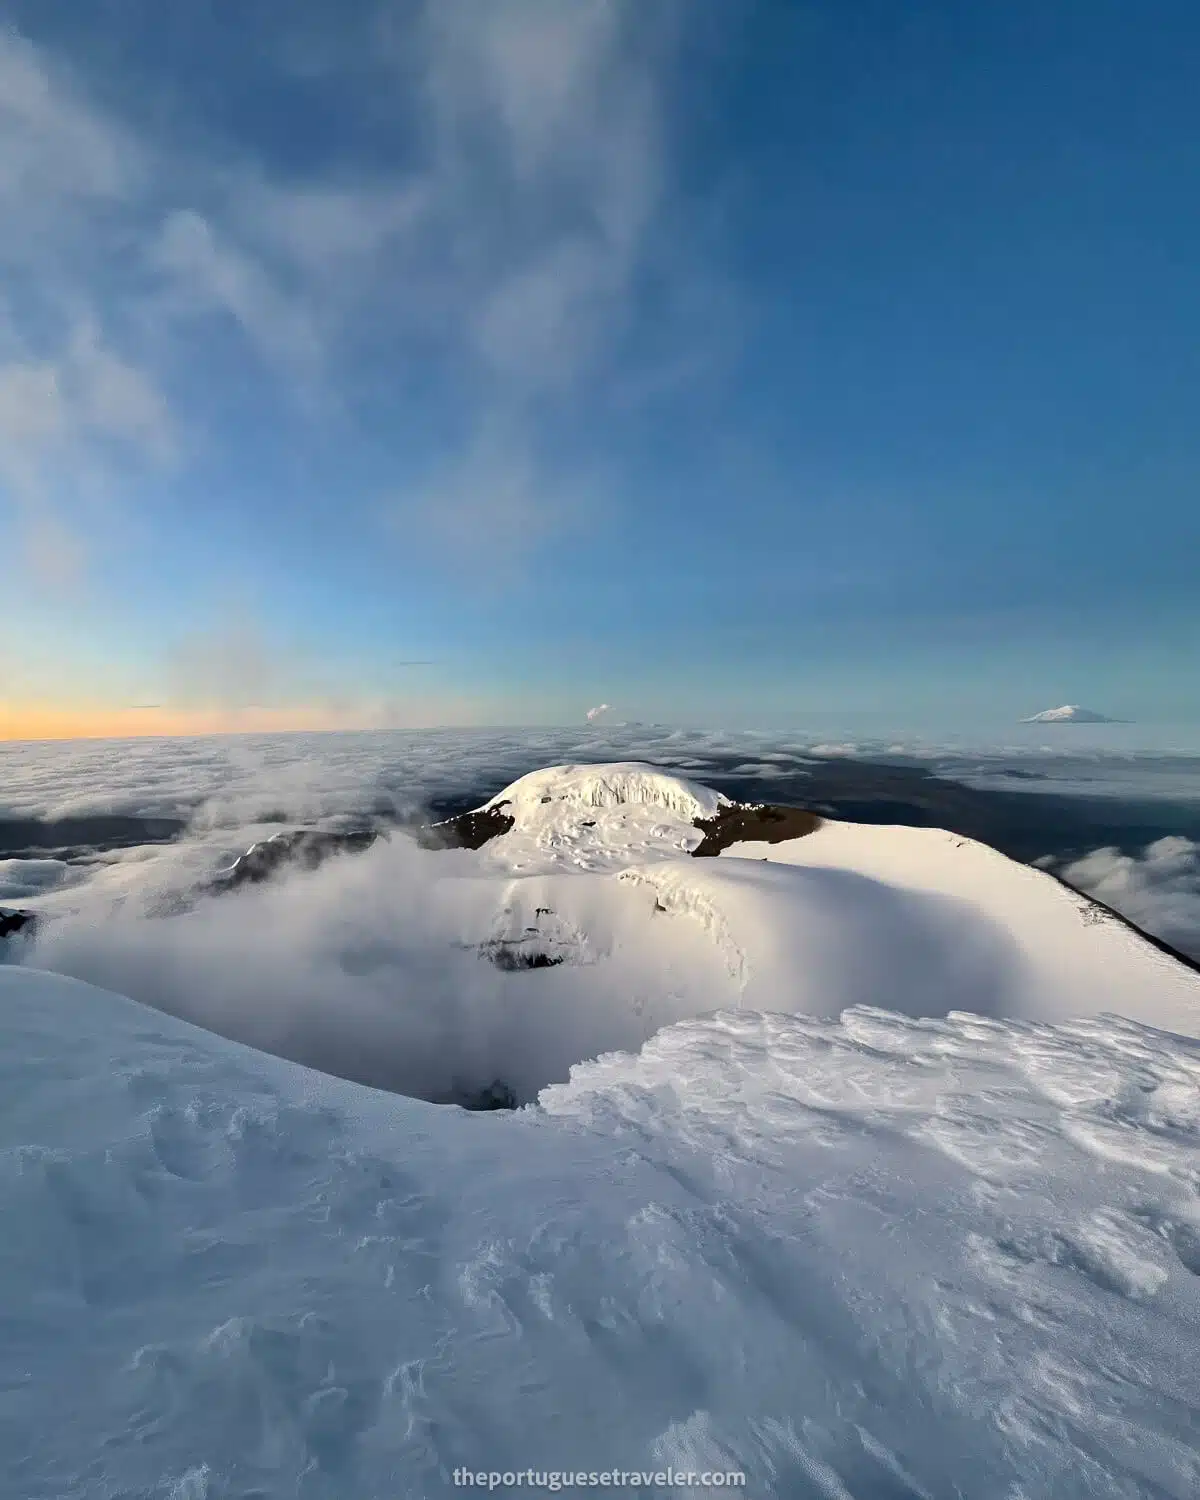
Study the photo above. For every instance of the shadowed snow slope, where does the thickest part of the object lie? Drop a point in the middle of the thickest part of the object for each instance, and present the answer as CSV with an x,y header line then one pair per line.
x,y
1068,957
870,1257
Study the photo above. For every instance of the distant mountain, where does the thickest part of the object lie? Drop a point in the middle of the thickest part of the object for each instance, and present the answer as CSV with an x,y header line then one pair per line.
x,y
1070,713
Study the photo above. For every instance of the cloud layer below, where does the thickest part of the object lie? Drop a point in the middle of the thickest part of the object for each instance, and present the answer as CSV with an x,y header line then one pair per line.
x,y
1159,888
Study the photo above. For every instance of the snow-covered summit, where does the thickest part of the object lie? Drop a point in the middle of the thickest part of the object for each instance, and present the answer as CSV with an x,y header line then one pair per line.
x,y
617,784
599,817
1069,713
592,868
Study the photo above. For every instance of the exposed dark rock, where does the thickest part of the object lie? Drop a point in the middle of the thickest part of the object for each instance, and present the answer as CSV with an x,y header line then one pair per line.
x,y
301,848
497,1095
761,822
469,830
13,922
306,848
513,955
472,830
1023,823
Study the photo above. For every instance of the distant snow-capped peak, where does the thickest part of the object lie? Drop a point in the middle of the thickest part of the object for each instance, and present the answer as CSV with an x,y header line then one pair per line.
x,y
1069,713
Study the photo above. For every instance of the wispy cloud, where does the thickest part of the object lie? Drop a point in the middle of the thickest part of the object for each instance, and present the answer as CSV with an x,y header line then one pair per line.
x,y
60,419
510,239
211,273
59,151
547,168
548,143
71,405
327,230
503,250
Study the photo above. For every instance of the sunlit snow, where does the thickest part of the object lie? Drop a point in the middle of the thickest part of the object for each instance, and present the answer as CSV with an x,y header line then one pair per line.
x,y
855,1163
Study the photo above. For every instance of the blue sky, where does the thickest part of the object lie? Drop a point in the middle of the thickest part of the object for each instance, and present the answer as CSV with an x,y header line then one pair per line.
x,y
725,362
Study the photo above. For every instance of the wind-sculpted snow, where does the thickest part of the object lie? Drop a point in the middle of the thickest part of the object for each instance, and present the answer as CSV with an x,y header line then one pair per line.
x,y
873,1257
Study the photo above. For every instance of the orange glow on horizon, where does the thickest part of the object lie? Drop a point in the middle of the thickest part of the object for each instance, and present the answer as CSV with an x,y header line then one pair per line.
x,y
57,721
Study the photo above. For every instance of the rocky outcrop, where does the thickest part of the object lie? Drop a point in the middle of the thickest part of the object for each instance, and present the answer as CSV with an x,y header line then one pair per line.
x,y
13,922
496,1096
469,830
516,954
306,848
762,823
299,848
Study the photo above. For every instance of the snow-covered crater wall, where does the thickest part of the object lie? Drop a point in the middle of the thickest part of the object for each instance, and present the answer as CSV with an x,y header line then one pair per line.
x,y
582,924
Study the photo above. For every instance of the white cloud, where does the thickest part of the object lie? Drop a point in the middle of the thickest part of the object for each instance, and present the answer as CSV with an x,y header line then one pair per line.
x,y
59,417
31,407
54,147
549,145
114,399
595,713
21,879
328,230
530,68
506,245
547,170
86,389
501,254
1158,889
73,408
496,502
213,273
